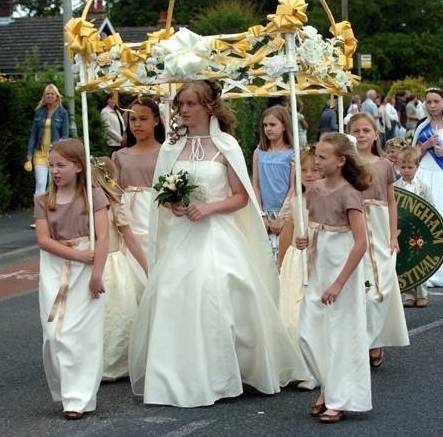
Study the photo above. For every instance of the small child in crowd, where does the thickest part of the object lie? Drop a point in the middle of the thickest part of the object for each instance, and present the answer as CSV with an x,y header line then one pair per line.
x,y
408,161
393,147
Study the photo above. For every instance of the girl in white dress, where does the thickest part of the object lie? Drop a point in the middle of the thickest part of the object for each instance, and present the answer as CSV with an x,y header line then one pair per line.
x,y
385,314
429,138
332,315
290,259
71,309
208,320
123,277
136,163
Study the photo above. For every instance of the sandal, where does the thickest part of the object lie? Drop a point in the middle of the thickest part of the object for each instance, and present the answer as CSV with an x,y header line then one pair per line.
x,y
72,415
332,418
376,361
317,409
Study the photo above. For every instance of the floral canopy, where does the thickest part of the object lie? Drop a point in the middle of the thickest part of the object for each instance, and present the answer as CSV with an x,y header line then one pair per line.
x,y
251,63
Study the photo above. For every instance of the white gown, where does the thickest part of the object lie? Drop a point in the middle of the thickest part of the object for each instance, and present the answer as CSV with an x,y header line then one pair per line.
x,y
431,174
333,337
208,322
124,282
139,201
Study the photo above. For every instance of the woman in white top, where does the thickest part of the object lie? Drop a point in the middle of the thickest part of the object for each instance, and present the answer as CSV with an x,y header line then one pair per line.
x,y
112,122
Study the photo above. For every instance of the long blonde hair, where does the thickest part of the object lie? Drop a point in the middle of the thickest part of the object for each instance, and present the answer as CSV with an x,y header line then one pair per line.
x,y
282,115
72,150
104,176
354,170
56,91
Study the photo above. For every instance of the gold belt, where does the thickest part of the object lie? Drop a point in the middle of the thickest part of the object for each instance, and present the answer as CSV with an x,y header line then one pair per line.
x,y
313,246
371,247
133,189
58,309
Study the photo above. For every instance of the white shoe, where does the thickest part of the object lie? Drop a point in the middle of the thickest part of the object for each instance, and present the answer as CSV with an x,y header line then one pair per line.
x,y
307,385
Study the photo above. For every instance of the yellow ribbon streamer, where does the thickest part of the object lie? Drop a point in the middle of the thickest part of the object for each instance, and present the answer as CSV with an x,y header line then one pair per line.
x,y
289,16
343,30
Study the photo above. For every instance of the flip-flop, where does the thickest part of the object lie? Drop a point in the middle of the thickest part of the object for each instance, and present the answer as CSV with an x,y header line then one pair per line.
x,y
332,418
317,409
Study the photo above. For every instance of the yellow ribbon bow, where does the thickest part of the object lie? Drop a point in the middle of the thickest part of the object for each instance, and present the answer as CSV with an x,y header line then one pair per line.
x,y
239,48
257,30
289,16
343,30
82,37
112,40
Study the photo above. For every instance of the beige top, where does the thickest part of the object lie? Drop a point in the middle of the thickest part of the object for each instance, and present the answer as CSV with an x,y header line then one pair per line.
x,y
118,217
331,207
383,176
67,221
135,170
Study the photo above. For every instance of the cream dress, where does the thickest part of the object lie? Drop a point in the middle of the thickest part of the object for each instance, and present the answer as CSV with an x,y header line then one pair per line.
x,y
333,337
385,314
124,282
208,322
292,288
135,177
73,340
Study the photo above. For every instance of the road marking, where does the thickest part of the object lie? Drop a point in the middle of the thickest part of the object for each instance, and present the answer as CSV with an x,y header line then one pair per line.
x,y
189,428
158,420
424,328
20,274
436,293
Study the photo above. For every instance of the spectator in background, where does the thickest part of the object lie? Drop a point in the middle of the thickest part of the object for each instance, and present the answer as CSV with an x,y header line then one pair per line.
x,y
112,122
390,118
370,106
329,117
50,124
353,108
400,106
411,112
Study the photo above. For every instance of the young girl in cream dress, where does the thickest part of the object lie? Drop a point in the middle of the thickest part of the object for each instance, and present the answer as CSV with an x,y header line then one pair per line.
x,y
290,259
208,321
70,286
385,314
333,334
136,163
121,278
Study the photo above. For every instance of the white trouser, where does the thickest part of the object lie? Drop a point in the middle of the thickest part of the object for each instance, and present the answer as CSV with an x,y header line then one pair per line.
x,y
41,178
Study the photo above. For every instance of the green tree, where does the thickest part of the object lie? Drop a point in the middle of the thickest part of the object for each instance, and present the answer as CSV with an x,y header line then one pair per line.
x,y
143,13
39,7
229,16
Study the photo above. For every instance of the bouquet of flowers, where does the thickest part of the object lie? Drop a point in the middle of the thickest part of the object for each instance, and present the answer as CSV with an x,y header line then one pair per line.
x,y
174,188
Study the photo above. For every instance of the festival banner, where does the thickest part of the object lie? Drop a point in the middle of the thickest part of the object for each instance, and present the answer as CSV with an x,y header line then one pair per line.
x,y
420,237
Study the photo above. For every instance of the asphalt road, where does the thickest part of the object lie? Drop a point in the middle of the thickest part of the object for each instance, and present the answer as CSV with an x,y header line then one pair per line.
x,y
407,393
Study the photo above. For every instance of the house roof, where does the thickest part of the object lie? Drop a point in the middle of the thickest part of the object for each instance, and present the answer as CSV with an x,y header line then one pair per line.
x,y
44,36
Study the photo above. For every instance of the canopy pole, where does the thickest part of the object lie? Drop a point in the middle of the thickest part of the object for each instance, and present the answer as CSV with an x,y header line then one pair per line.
x,y
341,126
290,56
85,123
